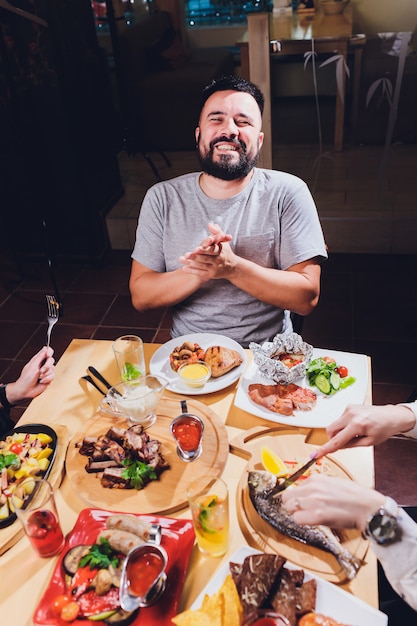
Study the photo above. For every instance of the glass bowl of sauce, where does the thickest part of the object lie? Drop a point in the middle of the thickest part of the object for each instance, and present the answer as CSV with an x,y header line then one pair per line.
x,y
194,374
143,576
187,430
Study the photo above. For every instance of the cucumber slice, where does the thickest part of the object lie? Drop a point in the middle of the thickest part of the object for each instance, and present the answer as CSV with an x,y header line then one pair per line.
x,y
335,380
101,616
323,384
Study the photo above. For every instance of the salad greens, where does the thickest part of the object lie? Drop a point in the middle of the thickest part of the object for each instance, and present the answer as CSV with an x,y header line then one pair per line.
x,y
325,374
100,556
9,460
138,473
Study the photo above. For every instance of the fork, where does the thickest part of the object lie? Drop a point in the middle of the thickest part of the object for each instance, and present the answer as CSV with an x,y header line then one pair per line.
x,y
53,316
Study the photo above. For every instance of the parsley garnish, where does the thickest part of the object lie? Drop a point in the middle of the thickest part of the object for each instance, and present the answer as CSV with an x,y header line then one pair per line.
x,y
9,460
138,473
100,556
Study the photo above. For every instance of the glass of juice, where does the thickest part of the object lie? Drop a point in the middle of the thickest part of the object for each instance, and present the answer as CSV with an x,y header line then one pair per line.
x,y
130,359
208,499
39,517
187,430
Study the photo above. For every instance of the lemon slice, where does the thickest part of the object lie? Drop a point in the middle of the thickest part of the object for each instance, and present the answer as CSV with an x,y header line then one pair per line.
x,y
272,463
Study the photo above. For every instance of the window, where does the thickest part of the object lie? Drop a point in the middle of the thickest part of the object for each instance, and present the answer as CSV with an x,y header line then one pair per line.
x,y
222,12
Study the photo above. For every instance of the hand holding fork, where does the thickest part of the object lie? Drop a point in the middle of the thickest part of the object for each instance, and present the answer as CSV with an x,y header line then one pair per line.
x,y
53,316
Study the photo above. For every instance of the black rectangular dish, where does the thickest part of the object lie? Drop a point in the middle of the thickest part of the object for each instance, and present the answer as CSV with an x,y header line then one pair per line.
x,y
33,429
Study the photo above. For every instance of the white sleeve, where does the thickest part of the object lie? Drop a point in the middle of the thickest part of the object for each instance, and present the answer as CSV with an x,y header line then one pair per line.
x,y
413,432
399,560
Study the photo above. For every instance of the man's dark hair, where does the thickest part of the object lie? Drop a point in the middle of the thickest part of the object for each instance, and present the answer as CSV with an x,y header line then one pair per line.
x,y
233,83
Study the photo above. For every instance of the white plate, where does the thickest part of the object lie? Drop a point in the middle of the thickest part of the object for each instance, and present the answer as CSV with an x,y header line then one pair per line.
x,y
159,363
327,408
331,600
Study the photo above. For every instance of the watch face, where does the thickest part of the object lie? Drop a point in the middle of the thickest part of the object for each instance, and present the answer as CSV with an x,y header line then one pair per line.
x,y
383,528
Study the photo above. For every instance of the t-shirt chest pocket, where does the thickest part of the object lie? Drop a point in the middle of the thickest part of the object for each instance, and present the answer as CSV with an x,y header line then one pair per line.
x,y
257,248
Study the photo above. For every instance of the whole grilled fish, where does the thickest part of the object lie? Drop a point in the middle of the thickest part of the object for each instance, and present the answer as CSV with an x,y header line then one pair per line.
x,y
271,509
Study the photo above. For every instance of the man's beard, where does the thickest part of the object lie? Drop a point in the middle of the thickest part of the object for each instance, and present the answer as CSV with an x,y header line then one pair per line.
x,y
226,168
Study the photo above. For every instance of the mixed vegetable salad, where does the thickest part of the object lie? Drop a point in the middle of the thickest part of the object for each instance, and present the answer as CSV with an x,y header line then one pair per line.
x,y
329,377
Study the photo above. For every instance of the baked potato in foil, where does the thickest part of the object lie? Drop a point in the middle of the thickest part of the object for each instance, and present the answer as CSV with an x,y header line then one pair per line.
x,y
284,359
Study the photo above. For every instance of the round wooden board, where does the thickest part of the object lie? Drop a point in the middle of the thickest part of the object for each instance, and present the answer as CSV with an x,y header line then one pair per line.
x,y
11,534
168,494
289,445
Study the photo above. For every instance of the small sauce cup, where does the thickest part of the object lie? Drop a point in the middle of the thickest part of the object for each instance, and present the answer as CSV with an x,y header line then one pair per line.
x,y
187,430
194,374
143,577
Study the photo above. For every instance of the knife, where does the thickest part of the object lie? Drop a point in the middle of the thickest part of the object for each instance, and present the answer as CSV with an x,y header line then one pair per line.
x,y
91,381
99,376
291,479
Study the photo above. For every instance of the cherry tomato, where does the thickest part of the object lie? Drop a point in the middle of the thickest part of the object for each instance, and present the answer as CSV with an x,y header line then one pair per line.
x,y
16,448
70,612
342,371
59,602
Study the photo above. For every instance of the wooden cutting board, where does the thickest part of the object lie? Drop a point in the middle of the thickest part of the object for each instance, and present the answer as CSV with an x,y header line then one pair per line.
x,y
11,534
289,445
168,494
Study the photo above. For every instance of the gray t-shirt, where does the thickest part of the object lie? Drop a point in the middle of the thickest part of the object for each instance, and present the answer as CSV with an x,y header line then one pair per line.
x,y
273,222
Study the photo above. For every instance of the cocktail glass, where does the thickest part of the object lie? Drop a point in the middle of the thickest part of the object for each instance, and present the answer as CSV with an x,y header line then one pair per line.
x,y
208,499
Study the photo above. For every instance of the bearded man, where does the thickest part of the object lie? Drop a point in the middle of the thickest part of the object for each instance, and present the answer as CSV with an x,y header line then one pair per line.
x,y
235,248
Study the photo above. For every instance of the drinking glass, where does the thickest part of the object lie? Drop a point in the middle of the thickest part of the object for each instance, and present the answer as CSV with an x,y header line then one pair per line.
x,y
208,498
39,517
130,358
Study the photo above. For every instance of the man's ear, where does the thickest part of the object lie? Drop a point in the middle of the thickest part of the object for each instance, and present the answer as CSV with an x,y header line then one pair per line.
x,y
197,135
261,138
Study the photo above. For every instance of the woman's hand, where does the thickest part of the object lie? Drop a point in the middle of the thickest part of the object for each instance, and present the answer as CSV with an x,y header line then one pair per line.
x,y
361,425
36,375
333,502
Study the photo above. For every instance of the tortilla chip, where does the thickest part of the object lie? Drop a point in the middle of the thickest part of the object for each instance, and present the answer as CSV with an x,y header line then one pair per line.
x,y
232,608
192,618
213,607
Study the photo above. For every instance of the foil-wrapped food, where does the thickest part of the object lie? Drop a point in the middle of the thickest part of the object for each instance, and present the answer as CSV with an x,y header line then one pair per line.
x,y
284,359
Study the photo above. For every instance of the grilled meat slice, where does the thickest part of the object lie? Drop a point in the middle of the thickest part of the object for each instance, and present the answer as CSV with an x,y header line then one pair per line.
x,y
282,399
112,479
221,360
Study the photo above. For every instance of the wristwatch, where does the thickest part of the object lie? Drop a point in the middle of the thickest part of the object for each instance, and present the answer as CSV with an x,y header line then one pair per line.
x,y
383,527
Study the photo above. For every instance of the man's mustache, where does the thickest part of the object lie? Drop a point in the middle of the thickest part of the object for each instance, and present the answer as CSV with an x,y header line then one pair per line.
x,y
235,142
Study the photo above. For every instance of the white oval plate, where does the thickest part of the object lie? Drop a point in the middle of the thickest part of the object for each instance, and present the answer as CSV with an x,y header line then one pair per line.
x,y
159,363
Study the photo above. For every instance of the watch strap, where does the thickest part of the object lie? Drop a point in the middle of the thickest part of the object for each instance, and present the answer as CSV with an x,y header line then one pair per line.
x,y
3,398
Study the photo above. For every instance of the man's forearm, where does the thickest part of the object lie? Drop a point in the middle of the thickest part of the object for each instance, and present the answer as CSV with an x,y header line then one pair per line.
x,y
293,290
153,290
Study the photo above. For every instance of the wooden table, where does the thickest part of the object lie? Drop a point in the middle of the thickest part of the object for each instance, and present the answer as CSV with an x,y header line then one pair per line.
x,y
25,576
294,33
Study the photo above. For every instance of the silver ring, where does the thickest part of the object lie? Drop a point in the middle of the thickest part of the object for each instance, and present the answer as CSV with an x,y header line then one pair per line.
x,y
297,504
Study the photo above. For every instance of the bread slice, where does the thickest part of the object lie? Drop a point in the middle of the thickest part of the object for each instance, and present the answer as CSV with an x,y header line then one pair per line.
x,y
255,581
293,597
222,360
